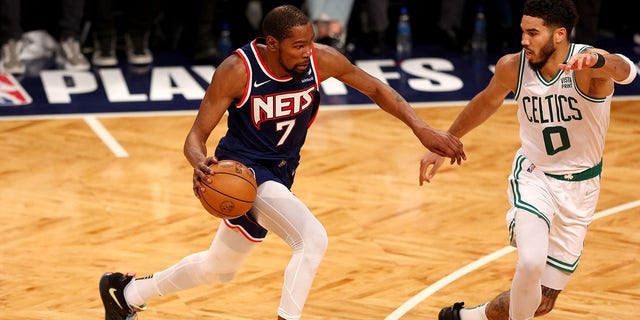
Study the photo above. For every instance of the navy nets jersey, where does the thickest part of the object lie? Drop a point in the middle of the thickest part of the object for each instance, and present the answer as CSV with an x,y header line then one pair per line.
x,y
269,124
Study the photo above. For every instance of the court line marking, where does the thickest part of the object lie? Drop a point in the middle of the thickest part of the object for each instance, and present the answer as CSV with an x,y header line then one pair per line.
x,y
435,287
106,137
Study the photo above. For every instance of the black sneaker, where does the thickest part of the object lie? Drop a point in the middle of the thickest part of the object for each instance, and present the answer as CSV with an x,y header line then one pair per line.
x,y
104,51
451,312
112,293
137,48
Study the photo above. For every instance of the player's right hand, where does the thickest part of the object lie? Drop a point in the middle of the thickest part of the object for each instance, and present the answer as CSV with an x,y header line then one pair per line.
x,y
202,172
445,144
429,159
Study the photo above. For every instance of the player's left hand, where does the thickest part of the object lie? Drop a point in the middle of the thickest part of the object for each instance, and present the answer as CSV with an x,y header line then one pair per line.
x,y
428,160
580,61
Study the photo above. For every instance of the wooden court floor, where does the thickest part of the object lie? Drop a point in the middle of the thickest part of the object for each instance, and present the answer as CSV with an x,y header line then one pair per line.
x,y
71,209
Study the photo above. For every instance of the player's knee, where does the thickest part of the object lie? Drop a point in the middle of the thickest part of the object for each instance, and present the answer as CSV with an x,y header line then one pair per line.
x,y
319,243
315,245
531,266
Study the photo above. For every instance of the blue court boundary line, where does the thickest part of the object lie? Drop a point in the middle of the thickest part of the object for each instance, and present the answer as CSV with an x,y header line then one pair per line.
x,y
473,266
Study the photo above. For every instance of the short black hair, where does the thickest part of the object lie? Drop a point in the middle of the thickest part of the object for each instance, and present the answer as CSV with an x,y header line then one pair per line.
x,y
279,21
554,13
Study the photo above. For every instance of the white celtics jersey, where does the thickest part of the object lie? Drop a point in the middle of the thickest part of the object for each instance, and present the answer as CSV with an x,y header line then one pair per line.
x,y
562,129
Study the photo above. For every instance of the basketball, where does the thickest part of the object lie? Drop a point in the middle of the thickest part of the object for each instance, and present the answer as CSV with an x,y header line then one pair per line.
x,y
232,190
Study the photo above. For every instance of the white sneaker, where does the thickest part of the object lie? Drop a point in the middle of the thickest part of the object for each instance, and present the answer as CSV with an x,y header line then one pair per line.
x,y
138,49
70,56
10,62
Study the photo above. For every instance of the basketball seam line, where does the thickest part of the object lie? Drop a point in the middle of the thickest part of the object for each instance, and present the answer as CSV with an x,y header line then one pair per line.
x,y
224,194
251,182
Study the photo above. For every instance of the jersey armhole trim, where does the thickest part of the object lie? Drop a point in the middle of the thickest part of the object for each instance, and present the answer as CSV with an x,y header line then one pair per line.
x,y
520,75
247,86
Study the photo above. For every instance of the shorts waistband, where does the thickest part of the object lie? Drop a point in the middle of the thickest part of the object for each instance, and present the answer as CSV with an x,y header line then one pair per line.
x,y
580,176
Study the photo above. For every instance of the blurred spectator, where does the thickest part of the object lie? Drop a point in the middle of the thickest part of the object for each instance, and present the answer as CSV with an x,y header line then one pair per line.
x,y
69,52
137,17
586,30
194,27
69,15
450,24
457,17
204,48
373,18
330,19
11,36
507,32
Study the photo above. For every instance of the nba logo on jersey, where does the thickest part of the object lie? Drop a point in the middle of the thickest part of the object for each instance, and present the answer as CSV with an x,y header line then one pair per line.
x,y
11,92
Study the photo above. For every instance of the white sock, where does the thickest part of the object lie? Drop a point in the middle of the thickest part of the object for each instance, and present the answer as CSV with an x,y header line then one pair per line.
x,y
138,291
475,313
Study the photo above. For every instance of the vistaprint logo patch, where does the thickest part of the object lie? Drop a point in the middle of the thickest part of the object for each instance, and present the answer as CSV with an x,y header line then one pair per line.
x,y
11,92
566,82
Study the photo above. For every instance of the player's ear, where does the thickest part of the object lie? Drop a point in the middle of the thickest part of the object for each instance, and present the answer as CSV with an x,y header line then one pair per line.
x,y
560,34
272,43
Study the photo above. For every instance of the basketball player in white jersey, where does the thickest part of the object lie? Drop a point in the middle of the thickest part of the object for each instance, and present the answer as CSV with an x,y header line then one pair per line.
x,y
563,91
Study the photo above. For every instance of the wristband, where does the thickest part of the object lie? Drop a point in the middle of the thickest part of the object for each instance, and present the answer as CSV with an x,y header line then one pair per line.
x,y
600,62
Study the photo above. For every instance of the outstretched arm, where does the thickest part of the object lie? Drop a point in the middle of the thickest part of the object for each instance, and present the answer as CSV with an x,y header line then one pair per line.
x,y
596,71
486,102
603,65
478,110
333,64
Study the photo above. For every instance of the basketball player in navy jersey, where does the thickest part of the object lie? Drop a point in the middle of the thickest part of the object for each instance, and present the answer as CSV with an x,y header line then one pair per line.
x,y
563,91
269,87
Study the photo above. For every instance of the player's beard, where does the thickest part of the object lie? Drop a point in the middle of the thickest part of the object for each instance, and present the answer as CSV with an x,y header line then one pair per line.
x,y
545,53
296,75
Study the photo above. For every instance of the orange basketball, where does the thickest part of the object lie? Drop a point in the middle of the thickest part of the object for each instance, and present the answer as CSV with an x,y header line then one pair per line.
x,y
231,192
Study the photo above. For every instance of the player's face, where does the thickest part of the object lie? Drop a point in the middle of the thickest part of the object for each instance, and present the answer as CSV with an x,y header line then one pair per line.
x,y
543,55
537,41
295,51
